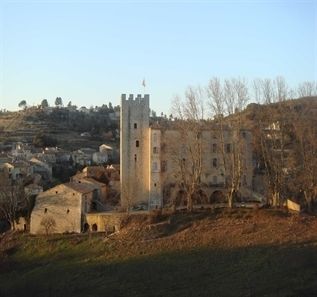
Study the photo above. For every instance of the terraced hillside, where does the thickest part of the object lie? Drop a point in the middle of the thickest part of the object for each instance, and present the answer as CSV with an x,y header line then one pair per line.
x,y
60,124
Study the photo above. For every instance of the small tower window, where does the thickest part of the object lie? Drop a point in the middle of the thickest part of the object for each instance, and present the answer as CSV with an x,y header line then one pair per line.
x,y
154,184
228,148
155,150
137,143
135,158
67,211
214,147
214,162
135,125
45,210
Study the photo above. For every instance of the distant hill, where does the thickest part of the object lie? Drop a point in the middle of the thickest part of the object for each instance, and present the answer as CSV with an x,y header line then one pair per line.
x,y
71,129
266,112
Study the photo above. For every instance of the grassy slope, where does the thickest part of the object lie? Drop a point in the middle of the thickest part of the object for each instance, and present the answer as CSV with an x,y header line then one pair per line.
x,y
238,254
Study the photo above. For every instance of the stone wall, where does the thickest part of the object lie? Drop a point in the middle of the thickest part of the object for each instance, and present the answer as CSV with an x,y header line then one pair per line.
x,y
104,222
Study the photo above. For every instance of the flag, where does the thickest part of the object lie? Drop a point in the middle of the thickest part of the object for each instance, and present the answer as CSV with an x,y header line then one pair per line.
x,y
143,83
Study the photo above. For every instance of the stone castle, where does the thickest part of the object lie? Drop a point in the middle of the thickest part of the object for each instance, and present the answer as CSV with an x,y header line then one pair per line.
x,y
150,155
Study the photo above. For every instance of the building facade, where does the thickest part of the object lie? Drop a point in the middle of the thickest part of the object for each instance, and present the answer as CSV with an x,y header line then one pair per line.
x,y
150,157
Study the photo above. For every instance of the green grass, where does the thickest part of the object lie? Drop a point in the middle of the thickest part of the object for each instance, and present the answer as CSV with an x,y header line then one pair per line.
x,y
78,266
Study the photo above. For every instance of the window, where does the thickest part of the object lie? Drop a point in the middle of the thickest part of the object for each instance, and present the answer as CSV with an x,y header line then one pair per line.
x,y
228,148
135,125
155,137
214,162
245,180
215,180
154,166
67,211
164,166
137,143
214,147
135,158
155,150
45,210
154,184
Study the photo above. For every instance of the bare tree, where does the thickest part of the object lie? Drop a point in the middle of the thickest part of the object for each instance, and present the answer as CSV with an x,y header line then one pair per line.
x,y
272,135
49,224
307,89
305,157
227,99
187,153
268,91
12,199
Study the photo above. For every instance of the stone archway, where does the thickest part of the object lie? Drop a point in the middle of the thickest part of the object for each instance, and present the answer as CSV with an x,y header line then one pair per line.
x,y
217,197
180,199
94,228
86,227
200,197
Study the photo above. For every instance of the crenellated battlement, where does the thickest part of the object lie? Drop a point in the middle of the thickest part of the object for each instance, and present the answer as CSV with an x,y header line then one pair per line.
x,y
138,99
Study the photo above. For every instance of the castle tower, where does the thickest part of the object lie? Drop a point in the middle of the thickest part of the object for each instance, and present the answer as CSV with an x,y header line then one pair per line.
x,y
134,150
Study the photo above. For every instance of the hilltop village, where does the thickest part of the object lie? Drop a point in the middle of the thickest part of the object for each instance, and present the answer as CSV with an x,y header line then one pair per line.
x,y
162,164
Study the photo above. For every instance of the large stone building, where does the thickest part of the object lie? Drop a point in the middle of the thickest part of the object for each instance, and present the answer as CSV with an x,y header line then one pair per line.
x,y
150,156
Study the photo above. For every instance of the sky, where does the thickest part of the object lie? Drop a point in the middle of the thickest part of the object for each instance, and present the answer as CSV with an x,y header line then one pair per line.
x,y
90,52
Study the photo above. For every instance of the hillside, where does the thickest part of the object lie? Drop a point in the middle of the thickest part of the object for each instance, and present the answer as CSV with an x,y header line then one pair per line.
x,y
60,124
227,253
254,111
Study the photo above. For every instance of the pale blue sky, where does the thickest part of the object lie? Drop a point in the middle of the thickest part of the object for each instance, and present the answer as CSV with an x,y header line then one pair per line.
x,y
90,52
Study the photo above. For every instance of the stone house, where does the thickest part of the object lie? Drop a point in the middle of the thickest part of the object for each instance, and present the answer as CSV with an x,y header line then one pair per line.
x,y
21,151
17,170
62,208
100,158
42,168
83,156
102,187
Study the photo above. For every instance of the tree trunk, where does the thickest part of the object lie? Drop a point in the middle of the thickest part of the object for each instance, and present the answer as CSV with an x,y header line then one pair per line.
x,y
275,199
189,203
308,199
230,198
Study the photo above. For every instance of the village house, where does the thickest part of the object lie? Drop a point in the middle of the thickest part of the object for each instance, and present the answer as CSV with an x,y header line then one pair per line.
x,y
62,208
100,186
83,156
42,168
17,170
100,158
21,151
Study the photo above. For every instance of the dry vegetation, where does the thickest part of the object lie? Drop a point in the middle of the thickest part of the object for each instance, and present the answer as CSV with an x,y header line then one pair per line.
x,y
227,253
